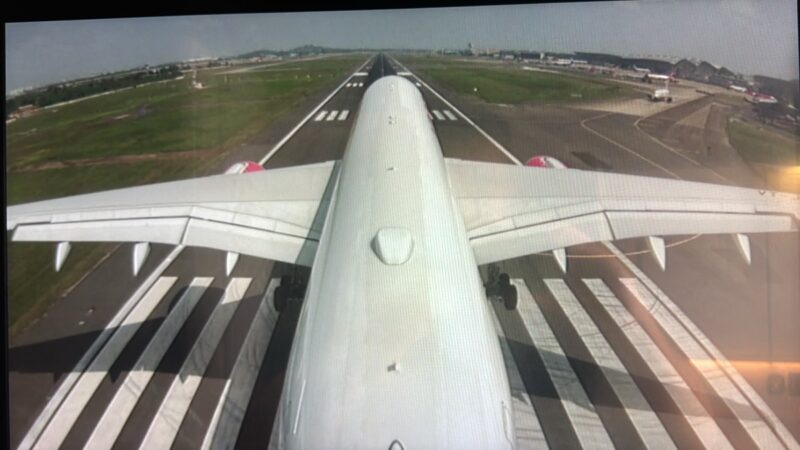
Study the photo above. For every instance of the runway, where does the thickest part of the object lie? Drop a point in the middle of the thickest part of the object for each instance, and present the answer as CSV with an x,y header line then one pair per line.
x,y
602,356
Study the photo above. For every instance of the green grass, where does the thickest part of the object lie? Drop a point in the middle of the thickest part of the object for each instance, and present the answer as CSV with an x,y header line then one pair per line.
x,y
509,84
230,112
177,118
759,144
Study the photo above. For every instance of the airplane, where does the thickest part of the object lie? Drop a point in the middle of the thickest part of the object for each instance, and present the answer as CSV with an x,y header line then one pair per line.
x,y
649,77
736,88
757,97
395,345
640,69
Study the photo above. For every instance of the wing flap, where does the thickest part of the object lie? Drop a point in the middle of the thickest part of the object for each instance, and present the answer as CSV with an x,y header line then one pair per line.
x,y
274,214
511,211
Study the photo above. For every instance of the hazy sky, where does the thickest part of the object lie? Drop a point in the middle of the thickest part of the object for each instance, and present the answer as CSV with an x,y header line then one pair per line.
x,y
748,36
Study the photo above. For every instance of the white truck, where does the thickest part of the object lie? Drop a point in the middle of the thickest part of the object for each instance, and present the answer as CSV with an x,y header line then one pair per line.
x,y
660,95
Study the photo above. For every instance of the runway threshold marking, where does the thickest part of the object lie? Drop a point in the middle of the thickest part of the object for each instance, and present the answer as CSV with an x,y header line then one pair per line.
x,y
751,421
35,431
58,428
645,421
343,115
581,412
167,420
119,409
527,428
780,429
232,405
703,425
331,115
438,114
320,116
449,114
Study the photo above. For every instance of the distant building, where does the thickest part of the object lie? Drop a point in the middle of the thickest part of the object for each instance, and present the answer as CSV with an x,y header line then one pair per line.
x,y
24,111
704,71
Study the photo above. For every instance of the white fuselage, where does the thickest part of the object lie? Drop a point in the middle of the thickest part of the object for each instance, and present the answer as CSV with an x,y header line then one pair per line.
x,y
395,352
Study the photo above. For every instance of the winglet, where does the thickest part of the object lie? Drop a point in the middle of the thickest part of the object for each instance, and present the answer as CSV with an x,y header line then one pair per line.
x,y
140,252
560,255
659,250
231,258
743,242
62,251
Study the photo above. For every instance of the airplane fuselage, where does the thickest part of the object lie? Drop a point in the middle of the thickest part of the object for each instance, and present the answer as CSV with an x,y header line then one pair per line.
x,y
395,344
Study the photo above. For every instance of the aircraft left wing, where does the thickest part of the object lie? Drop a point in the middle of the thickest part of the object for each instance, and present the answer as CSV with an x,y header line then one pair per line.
x,y
275,214
511,211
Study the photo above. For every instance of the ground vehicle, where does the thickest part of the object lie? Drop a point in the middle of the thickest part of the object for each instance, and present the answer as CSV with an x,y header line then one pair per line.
x,y
660,95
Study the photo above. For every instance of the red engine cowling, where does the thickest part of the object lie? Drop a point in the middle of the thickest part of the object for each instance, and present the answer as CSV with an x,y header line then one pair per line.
x,y
547,162
244,167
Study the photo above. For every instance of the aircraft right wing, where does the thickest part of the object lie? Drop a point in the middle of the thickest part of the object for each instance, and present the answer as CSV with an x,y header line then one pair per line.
x,y
511,211
275,214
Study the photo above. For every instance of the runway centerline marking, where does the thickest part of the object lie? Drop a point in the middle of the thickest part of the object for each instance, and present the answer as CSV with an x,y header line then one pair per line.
x,y
232,405
645,421
68,412
581,412
167,420
119,409
704,426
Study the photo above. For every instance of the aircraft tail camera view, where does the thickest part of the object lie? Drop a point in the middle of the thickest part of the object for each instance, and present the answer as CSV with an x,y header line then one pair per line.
x,y
512,227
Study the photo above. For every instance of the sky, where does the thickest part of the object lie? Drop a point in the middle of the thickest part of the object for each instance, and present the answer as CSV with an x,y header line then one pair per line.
x,y
747,36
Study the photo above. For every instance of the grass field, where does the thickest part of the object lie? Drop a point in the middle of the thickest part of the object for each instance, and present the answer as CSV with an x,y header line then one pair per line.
x,y
100,140
510,84
759,144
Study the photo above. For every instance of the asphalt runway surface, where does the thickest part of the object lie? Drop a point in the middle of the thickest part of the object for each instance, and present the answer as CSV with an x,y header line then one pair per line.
x,y
615,352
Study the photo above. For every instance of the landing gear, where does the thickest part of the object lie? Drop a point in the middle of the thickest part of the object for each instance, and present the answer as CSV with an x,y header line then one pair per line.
x,y
499,287
292,287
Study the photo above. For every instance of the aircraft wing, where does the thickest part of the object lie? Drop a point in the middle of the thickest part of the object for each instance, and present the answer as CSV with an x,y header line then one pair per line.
x,y
511,211
275,214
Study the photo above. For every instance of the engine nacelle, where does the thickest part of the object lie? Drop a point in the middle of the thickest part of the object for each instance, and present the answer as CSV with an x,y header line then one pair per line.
x,y
547,162
244,167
